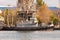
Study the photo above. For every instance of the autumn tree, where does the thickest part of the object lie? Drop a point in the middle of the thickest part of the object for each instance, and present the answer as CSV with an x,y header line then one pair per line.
x,y
5,15
40,2
39,21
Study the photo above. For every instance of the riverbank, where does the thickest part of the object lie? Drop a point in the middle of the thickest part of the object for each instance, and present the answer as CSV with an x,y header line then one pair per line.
x,y
26,28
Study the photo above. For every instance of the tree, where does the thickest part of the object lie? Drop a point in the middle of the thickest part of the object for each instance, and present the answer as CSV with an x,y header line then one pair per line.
x,y
55,20
39,21
13,16
5,15
40,2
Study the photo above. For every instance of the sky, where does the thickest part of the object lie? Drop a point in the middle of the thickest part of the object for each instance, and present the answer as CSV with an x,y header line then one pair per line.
x,y
50,3
8,2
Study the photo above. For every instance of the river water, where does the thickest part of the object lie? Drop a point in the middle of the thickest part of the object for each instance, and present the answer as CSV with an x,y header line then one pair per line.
x,y
29,35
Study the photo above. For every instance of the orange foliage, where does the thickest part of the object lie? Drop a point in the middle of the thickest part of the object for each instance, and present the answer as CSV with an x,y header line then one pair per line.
x,y
44,13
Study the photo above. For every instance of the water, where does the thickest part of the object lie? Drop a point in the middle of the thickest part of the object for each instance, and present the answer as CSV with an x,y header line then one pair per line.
x,y
29,35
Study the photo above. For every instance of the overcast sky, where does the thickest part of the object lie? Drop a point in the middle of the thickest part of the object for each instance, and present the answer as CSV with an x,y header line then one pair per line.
x,y
8,2
50,3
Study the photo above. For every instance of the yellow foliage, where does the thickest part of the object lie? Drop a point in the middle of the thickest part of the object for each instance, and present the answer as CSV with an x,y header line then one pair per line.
x,y
44,13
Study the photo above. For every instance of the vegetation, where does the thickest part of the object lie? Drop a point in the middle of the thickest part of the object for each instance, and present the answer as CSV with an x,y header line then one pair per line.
x,y
40,2
5,15
39,21
54,19
44,13
10,16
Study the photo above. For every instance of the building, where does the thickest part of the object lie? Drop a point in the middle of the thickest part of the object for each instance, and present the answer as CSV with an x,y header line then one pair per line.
x,y
26,10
